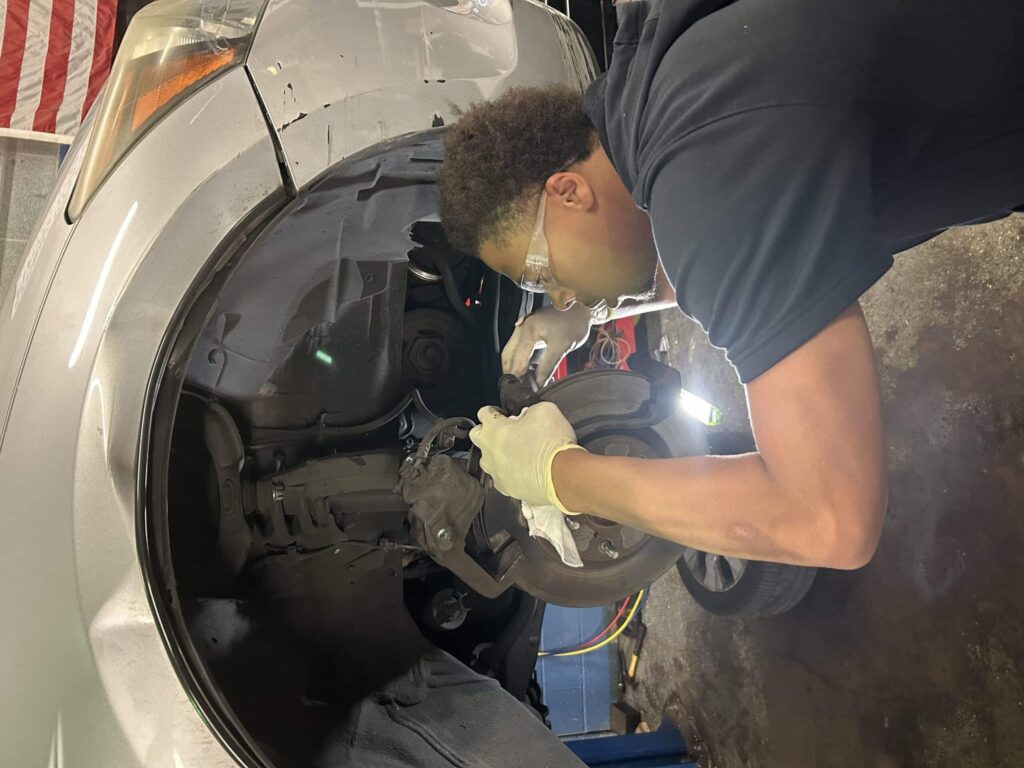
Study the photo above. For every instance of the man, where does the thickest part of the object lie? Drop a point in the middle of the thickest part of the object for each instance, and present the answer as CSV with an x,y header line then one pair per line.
x,y
773,154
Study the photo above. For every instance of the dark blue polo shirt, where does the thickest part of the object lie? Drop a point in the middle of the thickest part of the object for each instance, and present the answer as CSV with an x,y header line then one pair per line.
x,y
785,149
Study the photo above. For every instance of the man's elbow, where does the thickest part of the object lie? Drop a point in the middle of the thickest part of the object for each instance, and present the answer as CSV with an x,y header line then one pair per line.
x,y
854,531
857,547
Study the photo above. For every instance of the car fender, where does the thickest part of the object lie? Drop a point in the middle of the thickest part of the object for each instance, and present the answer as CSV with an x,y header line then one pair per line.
x,y
338,77
79,635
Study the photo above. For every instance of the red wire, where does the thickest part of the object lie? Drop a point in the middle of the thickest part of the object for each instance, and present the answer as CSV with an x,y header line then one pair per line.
x,y
609,628
597,638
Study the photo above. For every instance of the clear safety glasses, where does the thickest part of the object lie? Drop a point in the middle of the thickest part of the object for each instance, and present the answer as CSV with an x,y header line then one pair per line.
x,y
537,272
537,277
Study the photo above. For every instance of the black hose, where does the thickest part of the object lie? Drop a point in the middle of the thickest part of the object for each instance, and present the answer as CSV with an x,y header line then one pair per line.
x,y
497,307
461,425
452,292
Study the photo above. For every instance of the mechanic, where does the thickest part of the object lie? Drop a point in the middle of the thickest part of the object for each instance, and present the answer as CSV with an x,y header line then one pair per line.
x,y
756,162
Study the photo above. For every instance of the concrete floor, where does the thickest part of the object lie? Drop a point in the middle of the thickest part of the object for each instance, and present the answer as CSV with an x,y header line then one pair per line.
x,y
917,659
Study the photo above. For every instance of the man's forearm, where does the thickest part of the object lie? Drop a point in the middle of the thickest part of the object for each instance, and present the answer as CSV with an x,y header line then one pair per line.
x,y
728,505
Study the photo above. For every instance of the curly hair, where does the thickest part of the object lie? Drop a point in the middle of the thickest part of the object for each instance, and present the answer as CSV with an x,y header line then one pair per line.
x,y
498,155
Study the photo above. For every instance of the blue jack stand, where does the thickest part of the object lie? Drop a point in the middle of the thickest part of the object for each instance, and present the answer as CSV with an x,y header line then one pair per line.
x,y
665,748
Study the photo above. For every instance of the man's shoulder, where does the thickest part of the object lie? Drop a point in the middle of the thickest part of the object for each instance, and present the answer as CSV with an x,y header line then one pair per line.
x,y
741,56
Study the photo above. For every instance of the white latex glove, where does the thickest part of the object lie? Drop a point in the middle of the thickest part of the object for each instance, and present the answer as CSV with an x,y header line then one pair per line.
x,y
557,331
517,451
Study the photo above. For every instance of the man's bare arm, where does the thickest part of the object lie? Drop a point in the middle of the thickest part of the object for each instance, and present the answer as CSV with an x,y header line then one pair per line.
x,y
814,494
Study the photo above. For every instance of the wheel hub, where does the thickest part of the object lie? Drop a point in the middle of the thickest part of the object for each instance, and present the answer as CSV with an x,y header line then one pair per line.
x,y
717,573
600,540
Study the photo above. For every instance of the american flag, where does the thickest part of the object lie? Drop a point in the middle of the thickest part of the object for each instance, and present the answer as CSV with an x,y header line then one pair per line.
x,y
54,57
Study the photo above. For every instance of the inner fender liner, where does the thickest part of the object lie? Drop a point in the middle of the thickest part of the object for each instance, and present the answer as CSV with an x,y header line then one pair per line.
x,y
310,320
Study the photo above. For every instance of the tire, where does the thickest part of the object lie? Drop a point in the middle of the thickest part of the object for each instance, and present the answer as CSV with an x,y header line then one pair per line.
x,y
763,589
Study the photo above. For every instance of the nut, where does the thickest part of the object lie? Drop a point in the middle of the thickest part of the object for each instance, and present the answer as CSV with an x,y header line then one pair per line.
x,y
608,550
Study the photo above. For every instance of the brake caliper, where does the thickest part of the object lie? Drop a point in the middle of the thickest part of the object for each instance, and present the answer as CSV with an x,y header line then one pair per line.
x,y
444,499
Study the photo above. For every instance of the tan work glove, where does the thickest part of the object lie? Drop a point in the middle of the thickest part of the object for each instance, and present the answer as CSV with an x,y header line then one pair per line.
x,y
517,451
557,331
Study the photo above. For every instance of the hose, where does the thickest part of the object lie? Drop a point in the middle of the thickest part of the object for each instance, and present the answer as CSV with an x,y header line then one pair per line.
x,y
461,426
452,292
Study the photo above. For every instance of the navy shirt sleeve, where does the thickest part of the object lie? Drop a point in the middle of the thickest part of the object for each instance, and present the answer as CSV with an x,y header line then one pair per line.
x,y
764,223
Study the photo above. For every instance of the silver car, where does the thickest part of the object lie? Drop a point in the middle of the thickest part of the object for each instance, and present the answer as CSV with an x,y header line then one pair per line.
x,y
237,328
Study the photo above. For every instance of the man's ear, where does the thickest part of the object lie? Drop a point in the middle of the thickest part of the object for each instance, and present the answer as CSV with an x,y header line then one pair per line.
x,y
571,190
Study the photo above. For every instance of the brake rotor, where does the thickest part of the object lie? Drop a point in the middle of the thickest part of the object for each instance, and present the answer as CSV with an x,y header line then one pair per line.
x,y
598,539
615,413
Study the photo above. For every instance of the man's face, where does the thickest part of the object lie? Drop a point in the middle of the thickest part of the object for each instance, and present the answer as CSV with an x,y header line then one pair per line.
x,y
599,244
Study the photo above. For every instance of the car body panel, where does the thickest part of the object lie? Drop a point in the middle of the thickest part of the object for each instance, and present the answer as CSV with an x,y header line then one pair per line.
x,y
89,677
74,596
369,70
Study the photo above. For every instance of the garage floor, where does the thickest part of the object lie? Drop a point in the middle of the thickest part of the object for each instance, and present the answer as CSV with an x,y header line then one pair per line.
x,y
918,659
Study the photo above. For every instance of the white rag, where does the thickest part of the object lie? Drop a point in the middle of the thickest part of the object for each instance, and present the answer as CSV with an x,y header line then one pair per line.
x,y
547,522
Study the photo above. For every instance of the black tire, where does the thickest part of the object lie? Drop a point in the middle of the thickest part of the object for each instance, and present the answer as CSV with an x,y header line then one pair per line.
x,y
764,589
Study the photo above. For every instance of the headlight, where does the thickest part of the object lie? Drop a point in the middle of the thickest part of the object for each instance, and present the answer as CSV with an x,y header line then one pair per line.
x,y
170,49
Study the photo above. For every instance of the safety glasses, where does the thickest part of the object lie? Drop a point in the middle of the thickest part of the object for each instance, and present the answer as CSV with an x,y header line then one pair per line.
x,y
537,272
537,277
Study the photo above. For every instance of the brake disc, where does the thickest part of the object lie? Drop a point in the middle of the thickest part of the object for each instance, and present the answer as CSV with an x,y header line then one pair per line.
x,y
615,413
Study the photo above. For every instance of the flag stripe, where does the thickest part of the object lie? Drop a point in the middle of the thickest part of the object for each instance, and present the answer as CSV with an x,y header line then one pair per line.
x,y
11,54
3,23
55,72
30,86
104,43
83,36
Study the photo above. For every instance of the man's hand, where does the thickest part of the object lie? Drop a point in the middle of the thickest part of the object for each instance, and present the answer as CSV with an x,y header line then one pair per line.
x,y
559,332
517,451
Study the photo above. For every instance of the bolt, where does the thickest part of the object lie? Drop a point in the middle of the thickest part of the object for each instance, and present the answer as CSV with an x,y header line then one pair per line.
x,y
573,524
608,550
427,355
278,493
